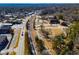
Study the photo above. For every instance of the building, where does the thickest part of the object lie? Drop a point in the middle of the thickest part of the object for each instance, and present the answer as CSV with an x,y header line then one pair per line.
x,y
3,42
5,28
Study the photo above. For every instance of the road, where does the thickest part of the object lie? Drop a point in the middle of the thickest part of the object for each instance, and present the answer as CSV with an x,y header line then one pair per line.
x,y
17,45
21,45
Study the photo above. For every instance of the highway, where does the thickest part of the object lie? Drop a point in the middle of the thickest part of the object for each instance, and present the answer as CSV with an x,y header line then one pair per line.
x,y
17,45
21,45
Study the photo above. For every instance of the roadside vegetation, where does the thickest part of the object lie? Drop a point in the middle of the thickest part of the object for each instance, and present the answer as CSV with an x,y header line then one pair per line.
x,y
66,46
27,48
39,44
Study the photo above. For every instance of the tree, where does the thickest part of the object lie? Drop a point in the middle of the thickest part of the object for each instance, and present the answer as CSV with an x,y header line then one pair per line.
x,y
59,44
73,35
60,17
73,31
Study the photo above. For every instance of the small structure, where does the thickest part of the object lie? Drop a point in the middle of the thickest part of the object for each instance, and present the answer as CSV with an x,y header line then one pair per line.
x,y
64,24
54,21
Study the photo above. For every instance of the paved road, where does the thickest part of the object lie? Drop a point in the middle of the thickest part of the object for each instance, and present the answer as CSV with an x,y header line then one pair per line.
x,y
20,47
